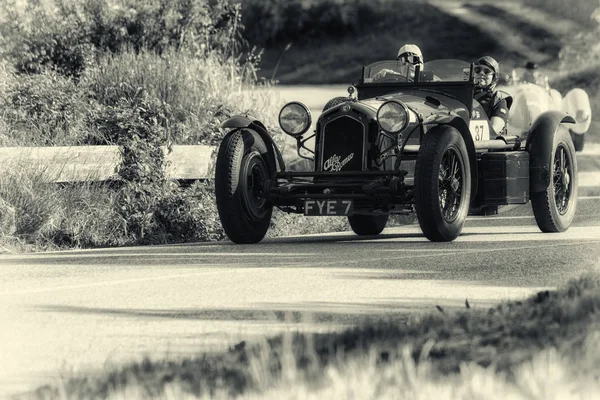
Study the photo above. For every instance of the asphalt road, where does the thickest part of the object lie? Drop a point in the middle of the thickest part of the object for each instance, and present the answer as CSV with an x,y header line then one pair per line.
x,y
64,313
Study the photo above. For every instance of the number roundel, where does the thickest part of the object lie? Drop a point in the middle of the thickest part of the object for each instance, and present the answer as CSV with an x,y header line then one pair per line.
x,y
479,130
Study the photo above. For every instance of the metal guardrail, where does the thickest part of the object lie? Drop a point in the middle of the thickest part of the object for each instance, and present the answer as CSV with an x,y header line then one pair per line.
x,y
62,164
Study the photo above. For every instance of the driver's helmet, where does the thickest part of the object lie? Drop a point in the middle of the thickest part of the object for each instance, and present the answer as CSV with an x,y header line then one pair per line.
x,y
531,73
411,54
491,63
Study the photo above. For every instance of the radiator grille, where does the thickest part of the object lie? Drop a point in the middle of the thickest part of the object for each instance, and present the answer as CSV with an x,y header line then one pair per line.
x,y
343,144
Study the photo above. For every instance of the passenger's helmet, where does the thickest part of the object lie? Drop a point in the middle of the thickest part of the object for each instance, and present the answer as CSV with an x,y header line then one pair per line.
x,y
411,53
492,64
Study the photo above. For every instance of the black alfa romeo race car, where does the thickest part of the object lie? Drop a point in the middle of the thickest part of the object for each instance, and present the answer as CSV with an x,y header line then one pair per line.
x,y
413,141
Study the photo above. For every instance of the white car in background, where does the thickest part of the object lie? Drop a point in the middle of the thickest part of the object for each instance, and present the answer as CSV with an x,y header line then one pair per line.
x,y
530,100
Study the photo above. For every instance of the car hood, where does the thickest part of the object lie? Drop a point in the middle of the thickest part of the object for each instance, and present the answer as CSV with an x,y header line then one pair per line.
x,y
425,102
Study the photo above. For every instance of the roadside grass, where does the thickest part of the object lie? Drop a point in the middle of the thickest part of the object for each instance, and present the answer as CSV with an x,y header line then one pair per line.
x,y
50,216
48,109
544,347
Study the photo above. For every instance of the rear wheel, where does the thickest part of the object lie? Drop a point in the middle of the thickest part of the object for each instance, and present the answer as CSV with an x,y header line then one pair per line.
x,y
242,176
443,184
368,224
554,208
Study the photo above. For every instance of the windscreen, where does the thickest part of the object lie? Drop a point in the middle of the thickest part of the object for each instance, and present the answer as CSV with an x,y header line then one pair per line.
x,y
446,70
388,70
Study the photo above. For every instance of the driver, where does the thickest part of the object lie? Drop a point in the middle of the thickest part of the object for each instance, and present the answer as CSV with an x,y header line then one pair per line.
x,y
486,77
533,75
410,55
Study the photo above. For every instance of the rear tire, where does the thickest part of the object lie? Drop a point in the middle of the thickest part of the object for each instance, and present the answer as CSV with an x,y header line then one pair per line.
x,y
242,177
442,184
555,207
364,225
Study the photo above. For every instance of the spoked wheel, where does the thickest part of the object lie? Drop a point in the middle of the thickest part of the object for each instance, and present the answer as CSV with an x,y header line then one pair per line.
x,y
242,178
450,183
368,224
555,207
443,184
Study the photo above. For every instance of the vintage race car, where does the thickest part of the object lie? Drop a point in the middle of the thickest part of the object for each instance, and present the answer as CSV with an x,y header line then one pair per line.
x,y
413,141
530,100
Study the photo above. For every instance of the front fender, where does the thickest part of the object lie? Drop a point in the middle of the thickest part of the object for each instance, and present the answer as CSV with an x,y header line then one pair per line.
x,y
240,122
540,145
463,128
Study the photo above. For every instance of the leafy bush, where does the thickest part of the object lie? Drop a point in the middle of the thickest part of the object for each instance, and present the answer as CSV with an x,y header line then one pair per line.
x,y
190,214
67,37
139,126
44,109
199,93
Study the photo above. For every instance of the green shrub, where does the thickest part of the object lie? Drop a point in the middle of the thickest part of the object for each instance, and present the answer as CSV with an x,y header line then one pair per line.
x,y
44,109
67,36
139,126
190,214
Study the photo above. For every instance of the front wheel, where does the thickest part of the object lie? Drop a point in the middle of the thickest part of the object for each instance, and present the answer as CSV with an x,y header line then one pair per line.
x,y
242,177
364,225
554,208
443,184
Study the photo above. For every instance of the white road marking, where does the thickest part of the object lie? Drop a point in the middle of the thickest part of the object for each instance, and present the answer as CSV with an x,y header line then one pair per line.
x,y
125,281
447,253
511,217
124,255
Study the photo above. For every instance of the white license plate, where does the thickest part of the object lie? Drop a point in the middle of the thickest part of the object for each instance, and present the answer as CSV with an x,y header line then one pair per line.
x,y
328,207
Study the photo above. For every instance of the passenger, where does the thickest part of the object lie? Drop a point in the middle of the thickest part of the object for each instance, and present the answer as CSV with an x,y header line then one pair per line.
x,y
486,77
409,55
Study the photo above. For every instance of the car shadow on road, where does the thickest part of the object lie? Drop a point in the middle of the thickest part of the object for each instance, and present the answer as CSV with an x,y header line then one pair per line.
x,y
295,313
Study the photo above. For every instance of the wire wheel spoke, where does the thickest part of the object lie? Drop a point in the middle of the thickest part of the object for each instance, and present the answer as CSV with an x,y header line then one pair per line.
x,y
450,185
562,179
254,185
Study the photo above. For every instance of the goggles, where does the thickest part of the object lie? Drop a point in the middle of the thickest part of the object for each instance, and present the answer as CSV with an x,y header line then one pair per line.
x,y
482,70
410,58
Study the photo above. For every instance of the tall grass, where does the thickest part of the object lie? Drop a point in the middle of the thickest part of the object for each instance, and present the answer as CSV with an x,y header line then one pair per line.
x,y
48,216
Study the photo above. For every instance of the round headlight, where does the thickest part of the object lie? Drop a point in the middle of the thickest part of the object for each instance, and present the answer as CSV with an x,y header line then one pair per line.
x,y
294,118
393,116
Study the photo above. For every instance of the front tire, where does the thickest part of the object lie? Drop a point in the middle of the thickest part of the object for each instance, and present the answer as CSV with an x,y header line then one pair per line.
x,y
442,184
555,207
242,176
366,225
